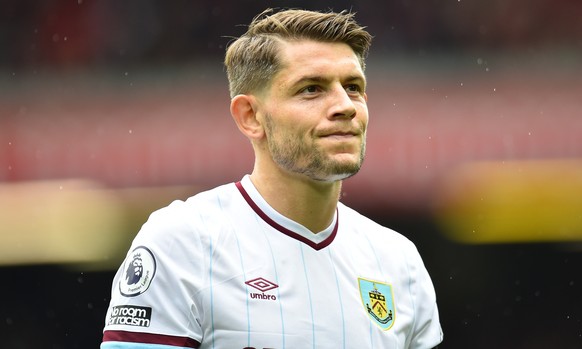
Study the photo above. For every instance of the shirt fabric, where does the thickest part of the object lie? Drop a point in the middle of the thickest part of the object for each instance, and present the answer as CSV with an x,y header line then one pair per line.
x,y
224,270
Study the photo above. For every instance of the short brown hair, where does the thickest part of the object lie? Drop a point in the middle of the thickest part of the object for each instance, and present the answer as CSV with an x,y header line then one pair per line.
x,y
251,60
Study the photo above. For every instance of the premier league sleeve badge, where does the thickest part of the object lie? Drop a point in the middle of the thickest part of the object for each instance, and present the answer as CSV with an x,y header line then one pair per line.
x,y
139,270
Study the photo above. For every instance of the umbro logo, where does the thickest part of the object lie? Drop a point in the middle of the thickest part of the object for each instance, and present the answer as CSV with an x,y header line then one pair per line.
x,y
262,285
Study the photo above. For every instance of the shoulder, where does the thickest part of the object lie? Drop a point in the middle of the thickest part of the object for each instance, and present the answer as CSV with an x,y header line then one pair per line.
x,y
203,203
183,219
371,229
388,245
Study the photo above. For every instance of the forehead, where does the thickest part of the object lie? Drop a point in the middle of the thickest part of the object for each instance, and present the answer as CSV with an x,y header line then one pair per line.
x,y
307,58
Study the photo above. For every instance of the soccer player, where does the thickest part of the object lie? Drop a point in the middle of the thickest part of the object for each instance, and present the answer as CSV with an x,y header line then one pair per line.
x,y
275,260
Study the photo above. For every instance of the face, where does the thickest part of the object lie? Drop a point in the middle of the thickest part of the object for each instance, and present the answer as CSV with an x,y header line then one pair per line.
x,y
315,112
137,267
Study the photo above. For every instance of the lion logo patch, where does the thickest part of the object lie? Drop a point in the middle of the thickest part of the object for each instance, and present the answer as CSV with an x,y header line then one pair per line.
x,y
140,268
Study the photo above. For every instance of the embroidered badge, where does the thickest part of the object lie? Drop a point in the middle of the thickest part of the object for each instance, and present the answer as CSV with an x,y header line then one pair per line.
x,y
139,270
378,301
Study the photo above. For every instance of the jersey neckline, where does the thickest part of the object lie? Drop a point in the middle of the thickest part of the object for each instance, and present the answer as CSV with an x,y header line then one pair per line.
x,y
283,224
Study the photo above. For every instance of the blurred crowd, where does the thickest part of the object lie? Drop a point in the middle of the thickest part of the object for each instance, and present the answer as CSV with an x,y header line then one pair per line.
x,y
87,32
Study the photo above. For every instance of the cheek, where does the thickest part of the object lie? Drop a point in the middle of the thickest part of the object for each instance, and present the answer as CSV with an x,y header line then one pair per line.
x,y
363,117
292,134
292,121
290,129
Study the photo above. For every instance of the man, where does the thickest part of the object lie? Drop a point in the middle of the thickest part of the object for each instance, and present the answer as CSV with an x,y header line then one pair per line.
x,y
275,261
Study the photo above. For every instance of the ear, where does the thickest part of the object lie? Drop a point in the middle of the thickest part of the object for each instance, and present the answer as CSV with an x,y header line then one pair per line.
x,y
243,109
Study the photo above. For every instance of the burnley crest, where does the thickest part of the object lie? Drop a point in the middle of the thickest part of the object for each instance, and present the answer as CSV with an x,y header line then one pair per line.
x,y
378,301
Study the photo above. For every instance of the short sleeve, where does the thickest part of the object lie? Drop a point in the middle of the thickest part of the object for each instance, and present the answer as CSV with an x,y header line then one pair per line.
x,y
153,292
427,332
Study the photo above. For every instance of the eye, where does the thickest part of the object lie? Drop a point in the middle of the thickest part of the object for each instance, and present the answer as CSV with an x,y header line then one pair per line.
x,y
310,89
353,88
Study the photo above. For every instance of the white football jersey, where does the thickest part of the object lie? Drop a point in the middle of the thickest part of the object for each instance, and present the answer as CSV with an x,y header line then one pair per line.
x,y
224,270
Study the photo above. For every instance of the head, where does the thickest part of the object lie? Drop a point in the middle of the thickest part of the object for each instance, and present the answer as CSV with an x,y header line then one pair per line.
x,y
253,59
298,91
134,270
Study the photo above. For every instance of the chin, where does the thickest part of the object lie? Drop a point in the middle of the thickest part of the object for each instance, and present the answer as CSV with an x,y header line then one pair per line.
x,y
338,177
335,176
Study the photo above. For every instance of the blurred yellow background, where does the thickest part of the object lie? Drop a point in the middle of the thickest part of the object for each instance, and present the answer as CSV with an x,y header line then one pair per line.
x,y
112,109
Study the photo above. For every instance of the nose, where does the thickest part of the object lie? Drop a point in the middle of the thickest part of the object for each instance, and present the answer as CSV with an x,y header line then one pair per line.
x,y
342,106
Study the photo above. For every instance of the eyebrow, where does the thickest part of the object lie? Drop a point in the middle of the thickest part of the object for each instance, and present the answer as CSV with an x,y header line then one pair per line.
x,y
322,80
310,79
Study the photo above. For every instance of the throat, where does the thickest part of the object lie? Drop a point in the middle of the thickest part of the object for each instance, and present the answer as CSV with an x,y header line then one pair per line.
x,y
309,203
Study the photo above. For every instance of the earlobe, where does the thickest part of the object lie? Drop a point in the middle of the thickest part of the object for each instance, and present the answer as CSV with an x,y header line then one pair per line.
x,y
243,109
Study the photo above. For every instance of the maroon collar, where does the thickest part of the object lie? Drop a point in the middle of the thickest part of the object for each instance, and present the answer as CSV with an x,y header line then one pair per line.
x,y
290,233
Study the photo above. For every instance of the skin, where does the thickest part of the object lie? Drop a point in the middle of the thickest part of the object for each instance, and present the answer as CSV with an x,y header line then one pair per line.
x,y
307,128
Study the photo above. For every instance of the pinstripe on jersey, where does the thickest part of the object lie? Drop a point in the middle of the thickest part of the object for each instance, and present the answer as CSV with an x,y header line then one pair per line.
x,y
234,273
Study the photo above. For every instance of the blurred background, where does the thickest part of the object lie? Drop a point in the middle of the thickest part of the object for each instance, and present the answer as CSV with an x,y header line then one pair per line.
x,y
112,109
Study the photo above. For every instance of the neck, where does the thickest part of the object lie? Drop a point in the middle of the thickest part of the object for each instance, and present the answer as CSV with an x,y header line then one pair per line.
x,y
308,202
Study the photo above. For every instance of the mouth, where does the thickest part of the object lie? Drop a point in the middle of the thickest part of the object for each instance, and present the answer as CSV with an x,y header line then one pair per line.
x,y
340,134
342,141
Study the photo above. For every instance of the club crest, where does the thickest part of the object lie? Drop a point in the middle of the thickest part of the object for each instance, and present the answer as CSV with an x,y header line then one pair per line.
x,y
378,301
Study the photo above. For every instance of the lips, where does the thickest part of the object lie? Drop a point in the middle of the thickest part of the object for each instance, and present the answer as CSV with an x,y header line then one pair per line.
x,y
339,136
339,133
